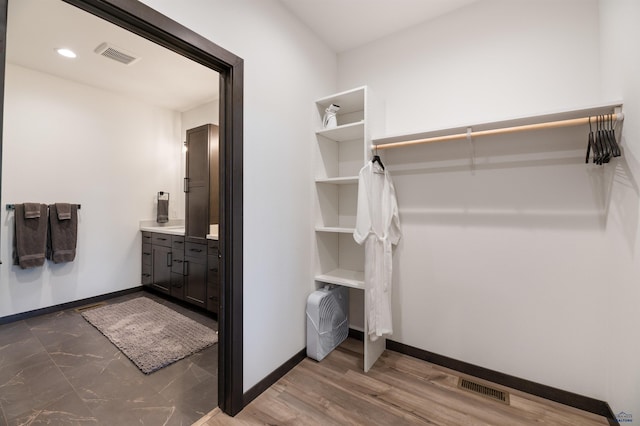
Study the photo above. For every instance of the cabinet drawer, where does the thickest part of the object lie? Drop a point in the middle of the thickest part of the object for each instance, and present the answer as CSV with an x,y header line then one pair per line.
x,y
213,298
146,274
177,286
177,244
213,290
146,237
213,271
178,266
146,254
195,250
212,244
158,239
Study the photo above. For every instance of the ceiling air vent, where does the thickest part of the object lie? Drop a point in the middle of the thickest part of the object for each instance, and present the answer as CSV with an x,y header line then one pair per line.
x,y
117,54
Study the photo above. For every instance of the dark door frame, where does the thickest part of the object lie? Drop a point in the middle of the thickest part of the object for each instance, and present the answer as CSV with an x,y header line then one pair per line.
x,y
150,24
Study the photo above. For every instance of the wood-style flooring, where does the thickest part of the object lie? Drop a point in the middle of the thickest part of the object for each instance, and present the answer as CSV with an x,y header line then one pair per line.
x,y
398,390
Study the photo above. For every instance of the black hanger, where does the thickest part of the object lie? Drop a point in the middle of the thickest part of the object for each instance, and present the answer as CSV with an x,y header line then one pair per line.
x,y
589,143
376,159
599,143
595,145
606,143
611,131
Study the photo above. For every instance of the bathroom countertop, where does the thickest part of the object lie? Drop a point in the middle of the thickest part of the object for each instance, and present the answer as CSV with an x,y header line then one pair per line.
x,y
213,232
175,229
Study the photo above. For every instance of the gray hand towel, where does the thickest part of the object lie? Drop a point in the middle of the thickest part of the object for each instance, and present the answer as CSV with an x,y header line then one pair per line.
x,y
163,211
64,211
63,235
30,239
31,210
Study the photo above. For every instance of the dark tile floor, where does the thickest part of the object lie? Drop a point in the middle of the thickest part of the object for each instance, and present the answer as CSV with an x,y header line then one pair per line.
x,y
57,369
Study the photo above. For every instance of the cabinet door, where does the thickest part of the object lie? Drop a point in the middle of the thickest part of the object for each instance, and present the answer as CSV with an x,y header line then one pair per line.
x,y
213,298
197,182
177,285
195,281
161,258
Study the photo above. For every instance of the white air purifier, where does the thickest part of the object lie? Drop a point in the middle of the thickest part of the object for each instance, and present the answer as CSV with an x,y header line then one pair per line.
x,y
327,320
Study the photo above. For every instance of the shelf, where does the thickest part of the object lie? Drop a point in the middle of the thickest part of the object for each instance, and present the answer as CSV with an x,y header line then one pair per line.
x,y
346,132
349,101
346,180
559,115
335,229
347,278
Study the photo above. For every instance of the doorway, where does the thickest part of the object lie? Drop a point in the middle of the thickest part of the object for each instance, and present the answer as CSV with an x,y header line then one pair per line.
x,y
149,24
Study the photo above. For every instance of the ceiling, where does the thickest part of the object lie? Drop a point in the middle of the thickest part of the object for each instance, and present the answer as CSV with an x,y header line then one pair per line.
x,y
346,24
164,78
161,77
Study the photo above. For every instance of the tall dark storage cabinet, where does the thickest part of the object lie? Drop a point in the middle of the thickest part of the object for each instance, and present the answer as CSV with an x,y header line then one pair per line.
x,y
201,209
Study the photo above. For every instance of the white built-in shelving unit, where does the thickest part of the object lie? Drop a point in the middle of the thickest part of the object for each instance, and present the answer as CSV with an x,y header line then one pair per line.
x,y
340,154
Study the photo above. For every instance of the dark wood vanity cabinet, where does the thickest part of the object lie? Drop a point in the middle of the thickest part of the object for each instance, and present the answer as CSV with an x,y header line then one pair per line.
x,y
183,269
195,280
177,267
147,264
158,257
161,259
182,266
213,276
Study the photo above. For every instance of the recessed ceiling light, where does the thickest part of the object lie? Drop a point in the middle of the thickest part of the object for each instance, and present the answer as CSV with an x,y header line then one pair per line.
x,y
67,53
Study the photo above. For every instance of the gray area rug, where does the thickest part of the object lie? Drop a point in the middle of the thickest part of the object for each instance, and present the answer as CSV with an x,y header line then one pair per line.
x,y
150,334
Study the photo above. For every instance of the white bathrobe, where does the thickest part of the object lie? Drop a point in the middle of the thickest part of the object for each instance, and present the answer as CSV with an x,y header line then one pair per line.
x,y
378,227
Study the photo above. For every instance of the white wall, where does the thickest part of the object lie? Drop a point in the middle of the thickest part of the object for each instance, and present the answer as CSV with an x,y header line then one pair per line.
x,y
490,60
286,69
519,265
73,143
200,115
620,36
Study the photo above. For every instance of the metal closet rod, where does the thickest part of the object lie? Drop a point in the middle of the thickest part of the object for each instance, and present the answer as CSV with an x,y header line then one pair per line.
x,y
13,206
504,130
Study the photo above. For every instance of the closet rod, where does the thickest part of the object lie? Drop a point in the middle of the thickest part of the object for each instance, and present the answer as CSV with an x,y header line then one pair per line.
x,y
539,126
13,206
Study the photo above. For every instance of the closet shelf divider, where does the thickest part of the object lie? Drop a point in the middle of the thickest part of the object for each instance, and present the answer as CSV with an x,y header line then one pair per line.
x,y
345,277
336,229
344,180
345,132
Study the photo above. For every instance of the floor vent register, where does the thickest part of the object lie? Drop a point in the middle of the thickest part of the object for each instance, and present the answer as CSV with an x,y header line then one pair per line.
x,y
483,390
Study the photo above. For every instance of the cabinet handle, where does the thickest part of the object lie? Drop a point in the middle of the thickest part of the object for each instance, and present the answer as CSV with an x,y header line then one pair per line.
x,y
146,254
177,260
196,250
162,239
146,275
185,268
186,184
214,269
169,258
